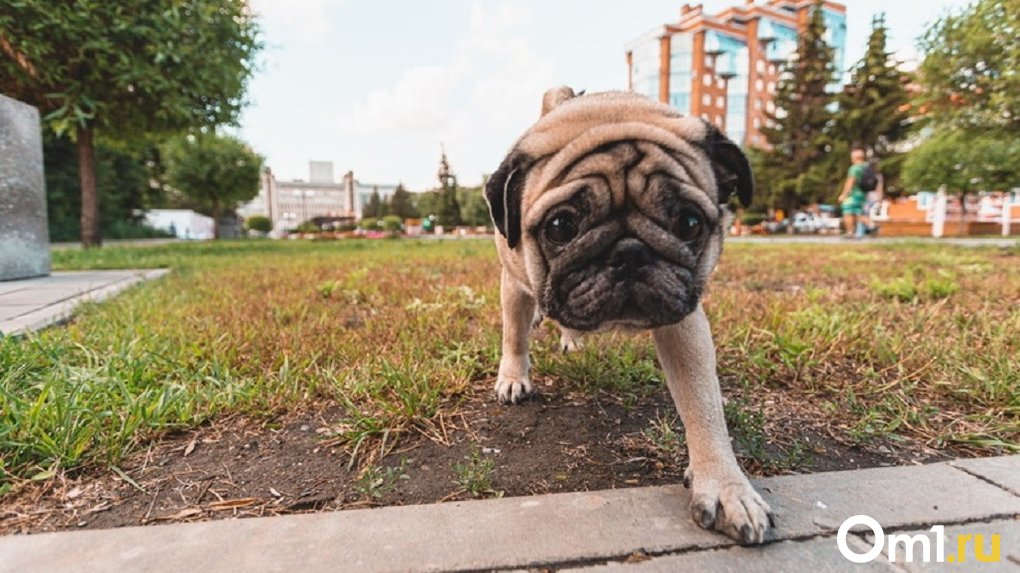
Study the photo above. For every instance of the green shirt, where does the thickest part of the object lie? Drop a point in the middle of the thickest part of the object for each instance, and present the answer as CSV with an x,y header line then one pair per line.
x,y
857,195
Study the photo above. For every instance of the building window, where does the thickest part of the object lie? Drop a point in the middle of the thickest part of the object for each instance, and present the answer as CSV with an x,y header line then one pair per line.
x,y
759,85
706,79
705,117
720,83
770,106
719,102
772,87
719,120
757,104
706,100
760,66
756,123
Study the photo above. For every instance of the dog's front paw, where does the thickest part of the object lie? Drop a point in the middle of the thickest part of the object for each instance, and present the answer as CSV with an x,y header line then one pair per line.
x,y
729,505
511,390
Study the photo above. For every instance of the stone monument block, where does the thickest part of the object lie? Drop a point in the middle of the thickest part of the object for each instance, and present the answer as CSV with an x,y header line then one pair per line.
x,y
24,235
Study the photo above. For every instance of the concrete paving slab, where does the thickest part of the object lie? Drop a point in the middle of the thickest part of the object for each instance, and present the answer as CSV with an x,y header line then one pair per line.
x,y
511,532
896,497
548,530
9,311
33,304
1003,472
12,286
818,555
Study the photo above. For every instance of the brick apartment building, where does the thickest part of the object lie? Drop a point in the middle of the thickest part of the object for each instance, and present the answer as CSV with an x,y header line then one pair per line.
x,y
724,67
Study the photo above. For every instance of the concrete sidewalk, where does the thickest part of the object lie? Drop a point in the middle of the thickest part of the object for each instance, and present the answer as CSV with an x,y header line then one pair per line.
x,y
28,305
634,530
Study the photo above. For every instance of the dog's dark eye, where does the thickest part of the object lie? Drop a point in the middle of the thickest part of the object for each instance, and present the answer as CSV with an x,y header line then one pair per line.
x,y
561,229
688,225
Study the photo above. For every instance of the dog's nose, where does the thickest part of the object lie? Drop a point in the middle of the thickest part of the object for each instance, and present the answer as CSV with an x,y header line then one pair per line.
x,y
630,253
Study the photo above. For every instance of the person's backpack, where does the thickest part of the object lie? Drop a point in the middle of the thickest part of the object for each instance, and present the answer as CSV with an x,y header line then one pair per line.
x,y
868,180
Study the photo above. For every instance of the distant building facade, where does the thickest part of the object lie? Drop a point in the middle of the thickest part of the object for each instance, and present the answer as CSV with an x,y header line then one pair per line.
x,y
290,203
724,67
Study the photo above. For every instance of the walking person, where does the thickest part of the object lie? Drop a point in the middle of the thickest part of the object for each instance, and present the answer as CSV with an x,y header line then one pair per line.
x,y
860,179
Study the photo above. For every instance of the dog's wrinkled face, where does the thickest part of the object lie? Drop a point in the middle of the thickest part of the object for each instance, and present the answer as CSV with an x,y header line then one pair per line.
x,y
622,246
616,209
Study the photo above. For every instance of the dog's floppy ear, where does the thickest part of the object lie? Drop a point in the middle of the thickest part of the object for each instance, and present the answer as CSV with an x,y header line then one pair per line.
x,y
504,191
732,170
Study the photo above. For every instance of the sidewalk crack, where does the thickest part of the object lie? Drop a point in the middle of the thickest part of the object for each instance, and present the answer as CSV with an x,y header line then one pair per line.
x,y
1004,488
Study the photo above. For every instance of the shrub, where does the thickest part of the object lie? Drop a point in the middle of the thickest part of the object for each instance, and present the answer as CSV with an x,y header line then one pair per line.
x,y
369,224
392,223
752,219
259,223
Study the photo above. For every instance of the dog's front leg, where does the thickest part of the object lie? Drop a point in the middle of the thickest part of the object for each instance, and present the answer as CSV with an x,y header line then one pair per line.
x,y
721,498
512,384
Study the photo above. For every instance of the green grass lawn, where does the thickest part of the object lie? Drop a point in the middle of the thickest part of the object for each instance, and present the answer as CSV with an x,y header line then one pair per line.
x,y
913,342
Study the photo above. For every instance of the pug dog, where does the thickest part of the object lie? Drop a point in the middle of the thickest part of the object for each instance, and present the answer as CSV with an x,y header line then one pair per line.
x,y
611,214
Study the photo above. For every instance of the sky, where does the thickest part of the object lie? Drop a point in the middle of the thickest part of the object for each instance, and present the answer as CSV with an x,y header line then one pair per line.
x,y
379,87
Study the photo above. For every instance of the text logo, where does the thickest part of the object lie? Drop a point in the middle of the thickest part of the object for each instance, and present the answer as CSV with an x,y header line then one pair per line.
x,y
909,544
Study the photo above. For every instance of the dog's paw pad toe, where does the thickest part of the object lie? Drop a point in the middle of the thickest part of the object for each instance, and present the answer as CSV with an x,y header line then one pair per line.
x,y
513,391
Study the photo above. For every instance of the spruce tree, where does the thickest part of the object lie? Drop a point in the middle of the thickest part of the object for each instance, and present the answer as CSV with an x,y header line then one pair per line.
x,y
374,207
400,203
798,130
449,207
874,107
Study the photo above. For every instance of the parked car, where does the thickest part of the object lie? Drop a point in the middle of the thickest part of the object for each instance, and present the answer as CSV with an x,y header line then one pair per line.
x,y
806,223
811,223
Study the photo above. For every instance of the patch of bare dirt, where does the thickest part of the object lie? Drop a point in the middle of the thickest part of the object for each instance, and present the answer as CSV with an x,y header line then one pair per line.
x,y
557,442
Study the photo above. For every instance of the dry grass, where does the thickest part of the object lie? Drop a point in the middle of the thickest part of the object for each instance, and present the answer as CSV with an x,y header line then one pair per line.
x,y
914,342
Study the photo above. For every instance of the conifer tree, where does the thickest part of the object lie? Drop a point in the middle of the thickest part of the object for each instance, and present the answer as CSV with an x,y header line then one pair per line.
x,y
374,207
874,109
449,207
793,167
400,203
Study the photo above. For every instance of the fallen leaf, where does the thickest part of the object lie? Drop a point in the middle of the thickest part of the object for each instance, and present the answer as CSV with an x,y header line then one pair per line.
x,y
182,514
232,503
190,448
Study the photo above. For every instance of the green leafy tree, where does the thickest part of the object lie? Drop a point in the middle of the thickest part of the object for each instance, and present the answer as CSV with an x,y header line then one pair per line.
x,y
474,210
122,70
122,176
797,134
401,204
874,109
964,161
216,171
970,75
427,203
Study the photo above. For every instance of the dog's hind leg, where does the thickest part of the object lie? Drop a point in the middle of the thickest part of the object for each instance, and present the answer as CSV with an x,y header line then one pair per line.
x,y
570,340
